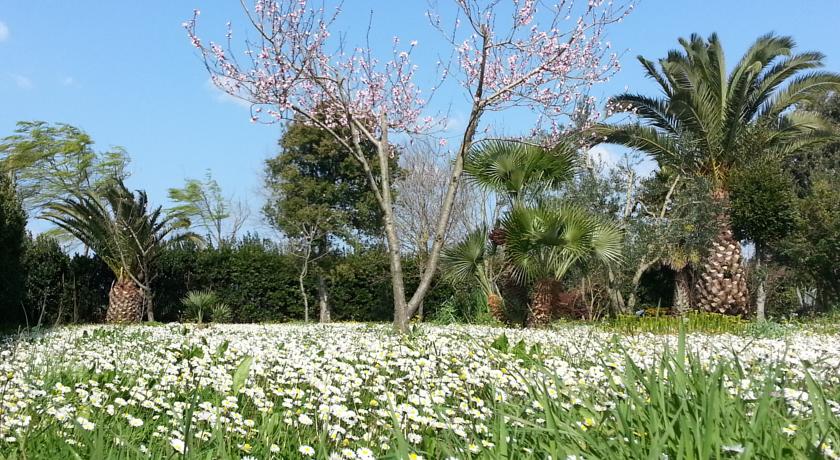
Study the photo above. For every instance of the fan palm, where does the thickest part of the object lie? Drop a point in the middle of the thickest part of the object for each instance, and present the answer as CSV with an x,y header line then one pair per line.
x,y
538,239
118,226
470,260
517,170
542,243
709,122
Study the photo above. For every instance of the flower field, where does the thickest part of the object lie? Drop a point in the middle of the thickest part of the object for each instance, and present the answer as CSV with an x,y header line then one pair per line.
x,y
356,391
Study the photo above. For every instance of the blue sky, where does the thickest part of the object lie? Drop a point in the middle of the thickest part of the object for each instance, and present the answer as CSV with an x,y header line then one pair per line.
x,y
126,73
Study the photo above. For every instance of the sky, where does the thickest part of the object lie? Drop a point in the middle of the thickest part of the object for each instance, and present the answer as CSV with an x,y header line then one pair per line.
x,y
126,73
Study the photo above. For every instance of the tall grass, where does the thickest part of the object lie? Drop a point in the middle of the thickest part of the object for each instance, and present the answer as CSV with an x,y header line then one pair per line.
x,y
707,323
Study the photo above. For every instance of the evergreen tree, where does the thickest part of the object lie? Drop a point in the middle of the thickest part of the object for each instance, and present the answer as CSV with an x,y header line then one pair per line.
x,y
12,235
319,196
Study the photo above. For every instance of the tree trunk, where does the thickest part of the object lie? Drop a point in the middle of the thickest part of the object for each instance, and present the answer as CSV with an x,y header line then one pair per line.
x,y
323,302
383,150
304,296
682,291
75,301
760,301
761,293
125,302
722,287
643,267
542,298
150,307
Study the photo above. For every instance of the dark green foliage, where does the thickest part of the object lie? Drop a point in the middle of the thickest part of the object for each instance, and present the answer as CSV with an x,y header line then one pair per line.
x,y
58,289
12,235
253,277
259,281
763,203
315,181
47,271
86,288
816,161
360,287
814,249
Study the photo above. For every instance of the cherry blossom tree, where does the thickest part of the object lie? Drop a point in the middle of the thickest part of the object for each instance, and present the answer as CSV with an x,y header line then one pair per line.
x,y
506,54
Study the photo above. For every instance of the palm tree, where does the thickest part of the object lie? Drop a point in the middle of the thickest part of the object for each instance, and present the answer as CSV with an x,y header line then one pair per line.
x,y
538,239
117,225
471,259
542,243
519,171
709,122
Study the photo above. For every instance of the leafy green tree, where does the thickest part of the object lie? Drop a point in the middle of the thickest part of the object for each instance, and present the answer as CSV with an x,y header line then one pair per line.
x,y
709,122
320,196
764,211
126,235
49,162
815,161
203,203
814,248
12,237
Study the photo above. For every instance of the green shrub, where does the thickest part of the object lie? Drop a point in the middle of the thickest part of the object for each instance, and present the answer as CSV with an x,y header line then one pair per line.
x,y
709,323
220,313
198,304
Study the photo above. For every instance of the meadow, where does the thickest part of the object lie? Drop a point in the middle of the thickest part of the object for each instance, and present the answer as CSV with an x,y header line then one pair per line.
x,y
360,391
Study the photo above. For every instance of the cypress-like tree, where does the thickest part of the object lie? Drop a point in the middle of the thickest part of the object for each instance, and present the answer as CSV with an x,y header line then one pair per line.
x,y
12,236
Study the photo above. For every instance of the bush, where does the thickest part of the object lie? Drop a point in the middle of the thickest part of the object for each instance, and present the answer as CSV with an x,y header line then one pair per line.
x,y
47,270
254,278
197,305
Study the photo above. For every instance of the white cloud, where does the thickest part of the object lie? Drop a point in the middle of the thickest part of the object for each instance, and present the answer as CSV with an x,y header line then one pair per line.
x,y
4,31
221,96
68,81
21,81
603,155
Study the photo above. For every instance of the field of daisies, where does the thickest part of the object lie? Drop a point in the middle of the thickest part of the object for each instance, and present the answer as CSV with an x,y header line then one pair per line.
x,y
356,391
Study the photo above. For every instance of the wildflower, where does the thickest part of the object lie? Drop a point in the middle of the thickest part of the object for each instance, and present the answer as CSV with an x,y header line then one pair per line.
x,y
86,424
135,422
274,448
735,448
365,454
178,445
306,450
790,430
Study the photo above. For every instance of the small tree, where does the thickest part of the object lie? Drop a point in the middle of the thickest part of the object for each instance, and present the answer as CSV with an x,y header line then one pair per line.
x,y
764,211
317,196
523,54
203,203
420,189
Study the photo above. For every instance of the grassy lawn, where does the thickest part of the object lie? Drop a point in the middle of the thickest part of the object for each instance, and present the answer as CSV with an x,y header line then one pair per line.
x,y
358,391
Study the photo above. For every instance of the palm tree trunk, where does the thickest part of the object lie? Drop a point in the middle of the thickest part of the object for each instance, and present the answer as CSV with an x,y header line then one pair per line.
x,y
125,302
682,291
722,287
542,299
